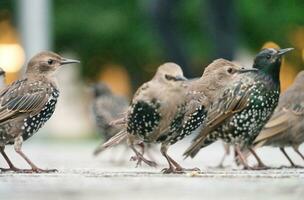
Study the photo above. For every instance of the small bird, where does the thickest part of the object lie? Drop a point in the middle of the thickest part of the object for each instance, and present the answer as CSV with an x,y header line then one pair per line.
x,y
26,104
286,126
152,110
106,108
2,78
244,107
181,110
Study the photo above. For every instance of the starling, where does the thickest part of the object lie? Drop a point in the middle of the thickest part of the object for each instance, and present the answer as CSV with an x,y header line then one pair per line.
x,y
244,107
179,112
152,110
106,108
2,78
286,126
26,104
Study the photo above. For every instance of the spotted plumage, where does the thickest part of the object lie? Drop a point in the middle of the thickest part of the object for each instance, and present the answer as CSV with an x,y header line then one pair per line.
x,y
246,105
286,126
26,104
144,118
168,113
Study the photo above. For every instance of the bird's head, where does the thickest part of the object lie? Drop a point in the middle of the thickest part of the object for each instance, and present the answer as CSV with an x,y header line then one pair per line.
x,y
269,61
269,57
222,71
2,72
300,78
170,73
46,63
101,89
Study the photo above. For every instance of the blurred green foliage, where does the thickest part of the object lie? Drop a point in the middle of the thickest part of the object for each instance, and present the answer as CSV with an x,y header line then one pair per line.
x,y
120,32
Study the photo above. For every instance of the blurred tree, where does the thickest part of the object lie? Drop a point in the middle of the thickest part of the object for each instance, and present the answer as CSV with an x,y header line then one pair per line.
x,y
119,32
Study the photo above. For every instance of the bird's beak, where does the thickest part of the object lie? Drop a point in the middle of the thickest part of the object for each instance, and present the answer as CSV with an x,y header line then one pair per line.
x,y
180,78
65,61
247,70
284,51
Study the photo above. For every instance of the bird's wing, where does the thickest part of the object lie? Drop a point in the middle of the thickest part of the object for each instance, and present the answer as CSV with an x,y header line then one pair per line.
x,y
18,98
234,100
279,123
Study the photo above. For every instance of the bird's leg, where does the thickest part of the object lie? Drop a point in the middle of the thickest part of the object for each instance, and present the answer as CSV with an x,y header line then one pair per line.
x,y
226,153
289,159
171,168
35,169
10,164
241,157
174,167
296,149
139,157
261,165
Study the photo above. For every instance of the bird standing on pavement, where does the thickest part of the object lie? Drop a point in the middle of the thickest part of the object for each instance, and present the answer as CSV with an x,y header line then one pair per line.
x,y
26,104
154,110
106,108
286,126
245,107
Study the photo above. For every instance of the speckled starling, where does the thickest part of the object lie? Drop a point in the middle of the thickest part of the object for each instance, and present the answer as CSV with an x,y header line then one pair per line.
x,y
286,126
200,95
26,104
245,106
106,108
152,110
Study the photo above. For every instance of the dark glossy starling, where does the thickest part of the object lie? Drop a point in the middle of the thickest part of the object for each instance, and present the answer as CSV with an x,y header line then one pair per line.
x,y
244,108
286,126
106,108
26,104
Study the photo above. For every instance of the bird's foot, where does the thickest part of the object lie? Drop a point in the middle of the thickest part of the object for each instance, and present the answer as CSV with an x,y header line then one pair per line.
x,y
141,159
257,167
38,170
34,170
291,167
11,169
172,170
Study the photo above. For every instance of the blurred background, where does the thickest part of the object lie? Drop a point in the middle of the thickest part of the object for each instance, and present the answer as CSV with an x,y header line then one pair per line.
x,y
123,42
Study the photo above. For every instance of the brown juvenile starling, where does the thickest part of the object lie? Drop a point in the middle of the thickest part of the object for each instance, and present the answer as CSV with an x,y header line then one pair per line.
x,y
26,104
152,110
244,108
286,126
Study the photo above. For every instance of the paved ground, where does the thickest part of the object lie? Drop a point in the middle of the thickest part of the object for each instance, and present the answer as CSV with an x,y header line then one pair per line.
x,y
81,176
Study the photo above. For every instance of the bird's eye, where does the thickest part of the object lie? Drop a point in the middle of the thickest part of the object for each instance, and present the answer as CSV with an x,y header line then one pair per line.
x,y
169,77
230,70
268,57
50,61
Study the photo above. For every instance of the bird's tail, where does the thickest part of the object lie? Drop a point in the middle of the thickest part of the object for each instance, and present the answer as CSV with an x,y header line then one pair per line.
x,y
116,139
118,122
194,148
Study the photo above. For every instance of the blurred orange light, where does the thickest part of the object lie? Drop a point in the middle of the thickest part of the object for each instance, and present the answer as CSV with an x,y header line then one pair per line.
x,y
11,57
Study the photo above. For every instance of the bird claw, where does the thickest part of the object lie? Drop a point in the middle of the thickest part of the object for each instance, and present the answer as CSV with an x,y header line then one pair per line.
x,y
172,170
35,170
142,159
291,167
38,170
